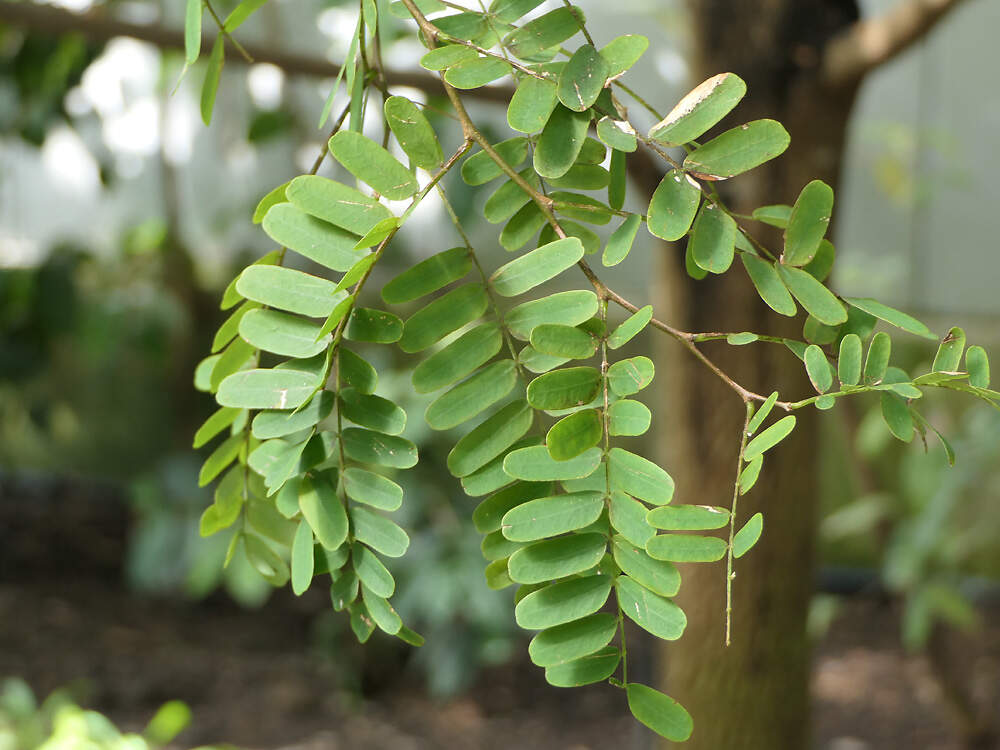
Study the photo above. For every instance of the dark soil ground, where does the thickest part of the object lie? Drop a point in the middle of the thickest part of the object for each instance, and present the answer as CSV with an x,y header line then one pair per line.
x,y
255,680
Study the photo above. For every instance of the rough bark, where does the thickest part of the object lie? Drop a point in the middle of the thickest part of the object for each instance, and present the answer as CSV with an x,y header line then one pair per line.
x,y
754,694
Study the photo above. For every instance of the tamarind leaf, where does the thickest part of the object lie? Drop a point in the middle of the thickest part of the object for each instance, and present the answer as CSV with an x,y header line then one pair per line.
x,y
374,412
596,667
808,223
373,326
629,376
509,11
631,327
413,132
367,487
544,32
534,464
231,325
849,360
371,571
568,308
560,142
323,511
345,588
262,558
688,517
897,417
622,52
566,643
426,7
444,315
591,152
761,414
232,297
949,354
769,285
618,134
220,458
535,361
490,438
621,240
739,149
551,516
443,57
877,362
628,518
534,268
776,215
521,227
583,78
659,712
692,268
563,341
531,105
590,240
470,26
818,369
509,198
581,207
747,536
381,612
362,624
235,357
769,438
492,477
891,316
658,576
574,434
686,548
370,447
462,356
480,168
302,558
673,206
628,417
378,532
749,475
373,165
818,301
713,239
650,611
192,31
618,174
559,603
476,72
213,73
583,177
428,276
266,389
289,290
281,333
639,477
565,388
336,203
317,240
220,420
488,515
496,547
274,197
556,558
822,263
699,110
241,13
472,396
978,364
818,333
497,575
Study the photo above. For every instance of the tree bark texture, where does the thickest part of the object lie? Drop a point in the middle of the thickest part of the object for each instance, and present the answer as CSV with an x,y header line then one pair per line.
x,y
753,695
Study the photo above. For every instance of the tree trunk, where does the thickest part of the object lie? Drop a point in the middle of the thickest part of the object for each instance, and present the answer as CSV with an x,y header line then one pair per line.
x,y
753,694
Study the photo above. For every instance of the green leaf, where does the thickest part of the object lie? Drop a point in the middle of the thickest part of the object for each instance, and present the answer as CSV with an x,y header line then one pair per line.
x,y
535,361
818,301
562,341
583,78
521,227
536,267
574,640
769,285
535,464
338,204
508,11
777,215
379,233
445,56
461,357
590,240
302,558
622,52
497,576
231,297
560,142
891,316
373,574
262,558
673,206
556,558
621,240
566,308
808,223
949,353
897,417
978,365
317,240
220,420
490,438
583,177
686,548
266,389
618,134
713,239
281,333
235,357
639,477
596,667
378,532
192,32
273,198
818,369
372,489
509,198
630,376
488,515
356,372
627,417
241,13
651,612
761,414
289,290
495,547
373,165
444,315
428,276
565,388
381,612
563,602
546,31
749,474
747,537
323,511
628,517
472,396
550,516
769,438
849,360
374,412
531,105
373,326
659,712
480,168
877,362
492,477
476,72
630,328
470,26
659,576
220,458
699,110
213,72
370,447
413,132
739,149
574,434
688,517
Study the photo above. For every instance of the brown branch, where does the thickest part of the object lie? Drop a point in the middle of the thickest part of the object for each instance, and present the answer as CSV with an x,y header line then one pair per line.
x,y
868,44
101,28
